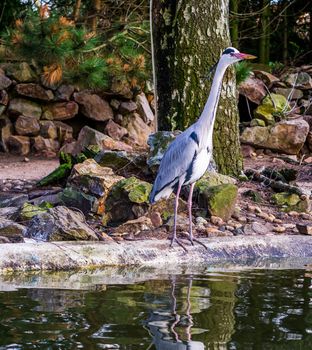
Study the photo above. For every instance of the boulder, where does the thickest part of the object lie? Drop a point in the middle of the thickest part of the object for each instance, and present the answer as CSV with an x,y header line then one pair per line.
x,y
287,136
48,129
127,107
27,108
11,230
60,224
291,94
268,78
114,130
138,131
124,163
127,200
34,91
134,227
28,211
46,147
218,200
5,82
64,92
257,228
309,141
211,178
121,88
144,108
12,200
4,98
92,178
290,202
253,89
9,212
300,80
268,108
89,136
27,126
115,104
19,145
257,122
64,132
304,229
61,110
6,130
74,198
158,143
93,106
22,72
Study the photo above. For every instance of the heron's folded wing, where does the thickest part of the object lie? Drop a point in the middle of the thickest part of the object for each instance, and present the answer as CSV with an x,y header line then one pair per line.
x,y
175,162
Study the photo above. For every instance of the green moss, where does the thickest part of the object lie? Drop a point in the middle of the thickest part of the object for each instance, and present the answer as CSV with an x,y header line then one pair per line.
x,y
28,211
269,109
285,198
219,200
137,191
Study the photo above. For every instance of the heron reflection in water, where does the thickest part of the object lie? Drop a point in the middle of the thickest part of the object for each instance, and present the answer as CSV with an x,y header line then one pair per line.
x,y
163,325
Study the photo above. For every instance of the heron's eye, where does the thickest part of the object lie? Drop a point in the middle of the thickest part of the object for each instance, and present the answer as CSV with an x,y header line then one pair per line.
x,y
232,54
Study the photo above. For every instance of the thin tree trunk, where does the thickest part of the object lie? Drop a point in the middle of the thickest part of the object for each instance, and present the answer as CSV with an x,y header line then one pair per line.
x,y
264,32
188,38
285,36
96,9
234,22
76,12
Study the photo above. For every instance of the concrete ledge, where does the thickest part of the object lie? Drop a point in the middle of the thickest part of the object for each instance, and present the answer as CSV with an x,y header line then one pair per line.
x,y
152,253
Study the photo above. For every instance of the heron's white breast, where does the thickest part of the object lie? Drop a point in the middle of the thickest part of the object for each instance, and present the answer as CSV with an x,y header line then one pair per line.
x,y
200,165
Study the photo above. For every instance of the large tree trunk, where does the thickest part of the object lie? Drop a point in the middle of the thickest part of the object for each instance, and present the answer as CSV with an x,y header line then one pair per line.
x,y
188,38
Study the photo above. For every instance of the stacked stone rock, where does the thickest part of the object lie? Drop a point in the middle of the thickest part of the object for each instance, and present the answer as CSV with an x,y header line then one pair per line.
x,y
282,115
37,119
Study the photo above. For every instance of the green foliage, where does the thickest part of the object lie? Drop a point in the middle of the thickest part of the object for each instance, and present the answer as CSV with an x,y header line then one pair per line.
x,y
276,67
243,70
64,52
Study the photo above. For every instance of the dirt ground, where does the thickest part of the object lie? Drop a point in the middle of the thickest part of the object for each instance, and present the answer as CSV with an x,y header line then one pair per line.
x,y
22,168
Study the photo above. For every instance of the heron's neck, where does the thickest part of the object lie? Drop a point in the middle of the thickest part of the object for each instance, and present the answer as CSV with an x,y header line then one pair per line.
x,y
208,115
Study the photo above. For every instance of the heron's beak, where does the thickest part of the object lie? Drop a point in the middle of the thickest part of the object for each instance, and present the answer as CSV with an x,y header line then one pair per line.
x,y
244,56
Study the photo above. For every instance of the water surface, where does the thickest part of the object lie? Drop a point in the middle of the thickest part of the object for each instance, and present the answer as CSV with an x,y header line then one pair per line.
x,y
251,309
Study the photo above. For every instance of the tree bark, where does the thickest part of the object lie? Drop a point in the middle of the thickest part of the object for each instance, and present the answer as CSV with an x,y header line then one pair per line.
x,y
188,38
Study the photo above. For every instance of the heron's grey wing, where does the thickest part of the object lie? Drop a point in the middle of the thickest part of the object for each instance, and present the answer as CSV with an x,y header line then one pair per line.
x,y
175,162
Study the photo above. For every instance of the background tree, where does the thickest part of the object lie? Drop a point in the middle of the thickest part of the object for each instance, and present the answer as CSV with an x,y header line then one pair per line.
x,y
189,37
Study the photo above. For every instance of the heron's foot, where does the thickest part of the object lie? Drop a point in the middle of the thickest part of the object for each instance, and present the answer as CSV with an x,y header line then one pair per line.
x,y
175,239
192,240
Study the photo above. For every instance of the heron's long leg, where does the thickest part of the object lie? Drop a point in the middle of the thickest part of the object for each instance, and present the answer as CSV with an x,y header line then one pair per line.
x,y
189,207
174,237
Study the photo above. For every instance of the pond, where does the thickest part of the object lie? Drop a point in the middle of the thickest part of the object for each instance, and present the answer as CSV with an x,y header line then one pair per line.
x,y
207,309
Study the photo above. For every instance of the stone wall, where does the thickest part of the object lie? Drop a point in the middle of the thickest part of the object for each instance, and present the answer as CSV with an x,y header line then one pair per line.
x,y
37,120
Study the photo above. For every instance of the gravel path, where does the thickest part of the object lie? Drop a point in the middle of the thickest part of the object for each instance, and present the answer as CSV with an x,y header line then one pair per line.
x,y
15,167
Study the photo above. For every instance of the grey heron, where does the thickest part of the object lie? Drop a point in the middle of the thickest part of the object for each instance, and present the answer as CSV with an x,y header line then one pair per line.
x,y
188,156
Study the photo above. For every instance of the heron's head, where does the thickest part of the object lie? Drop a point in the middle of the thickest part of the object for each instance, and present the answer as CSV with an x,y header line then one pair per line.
x,y
231,55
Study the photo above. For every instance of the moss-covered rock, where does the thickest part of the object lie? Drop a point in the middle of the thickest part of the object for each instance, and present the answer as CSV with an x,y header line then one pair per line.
x,y
92,178
127,200
75,198
60,224
268,108
218,200
290,202
211,178
257,122
28,211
